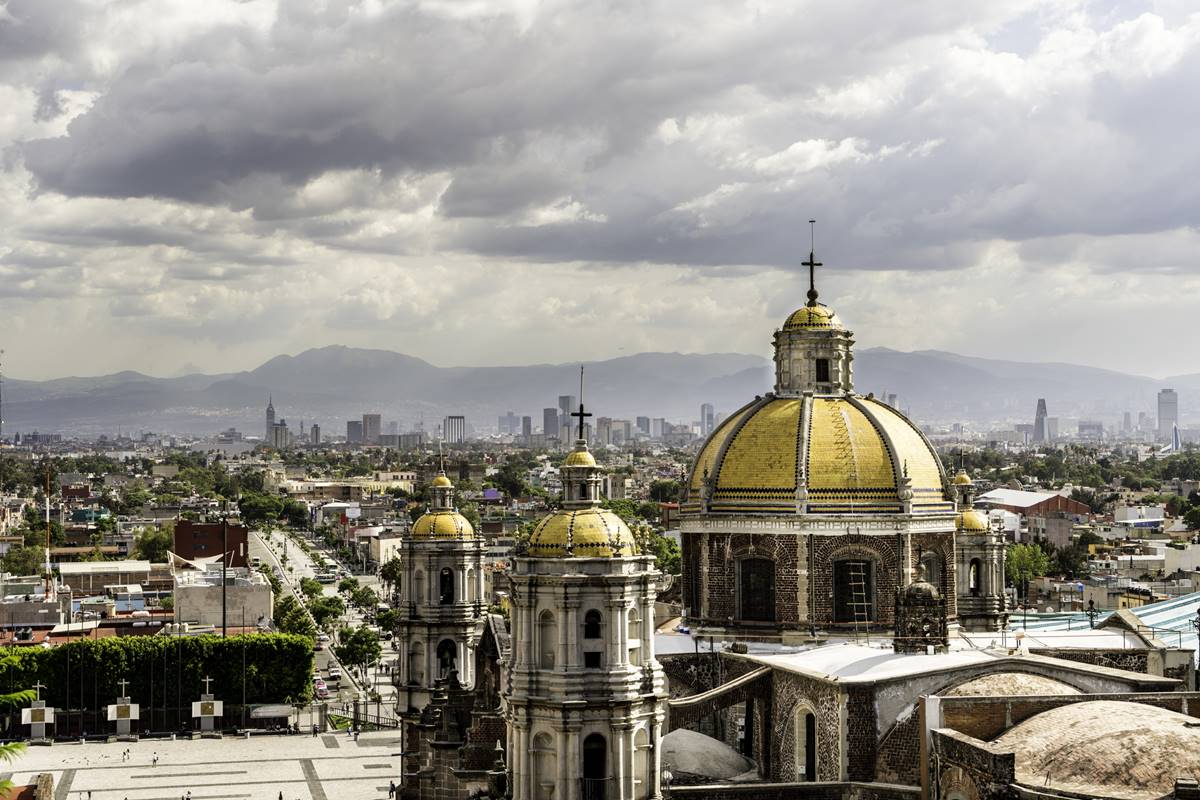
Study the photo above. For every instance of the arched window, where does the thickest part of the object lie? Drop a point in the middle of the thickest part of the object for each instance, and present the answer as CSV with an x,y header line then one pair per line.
x,y
973,577
932,565
805,734
418,595
446,586
756,589
643,765
472,594
634,636
447,656
416,664
545,766
595,767
854,590
591,624
547,640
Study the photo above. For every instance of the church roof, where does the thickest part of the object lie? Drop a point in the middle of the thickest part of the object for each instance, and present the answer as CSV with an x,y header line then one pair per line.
x,y
850,453
1011,684
1105,748
442,524
817,316
589,532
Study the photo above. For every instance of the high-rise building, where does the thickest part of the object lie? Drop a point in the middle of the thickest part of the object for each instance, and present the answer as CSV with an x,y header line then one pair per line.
x,y
508,424
270,430
643,425
372,426
1168,414
454,429
1039,421
658,427
706,419
354,431
1127,422
526,428
280,437
550,422
1051,428
566,404
314,435
1144,423
604,430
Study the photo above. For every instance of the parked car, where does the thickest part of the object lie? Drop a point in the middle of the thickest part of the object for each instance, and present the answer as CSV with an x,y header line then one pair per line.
x,y
322,693
335,674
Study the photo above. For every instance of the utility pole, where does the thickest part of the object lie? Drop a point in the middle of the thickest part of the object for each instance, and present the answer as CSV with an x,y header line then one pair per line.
x,y
224,560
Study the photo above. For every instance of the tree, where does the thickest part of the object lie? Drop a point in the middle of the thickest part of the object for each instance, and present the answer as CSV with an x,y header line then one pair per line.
x,y
310,588
153,544
166,603
364,597
391,573
258,509
290,617
1024,563
10,751
664,491
1071,561
1192,519
388,620
23,560
358,647
326,609
347,585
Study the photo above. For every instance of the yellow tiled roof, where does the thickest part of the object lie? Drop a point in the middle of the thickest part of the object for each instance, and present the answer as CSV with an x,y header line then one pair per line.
x,y
582,533
850,457
442,525
972,522
817,316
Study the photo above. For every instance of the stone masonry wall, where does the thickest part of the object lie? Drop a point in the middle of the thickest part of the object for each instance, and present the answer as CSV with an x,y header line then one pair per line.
x,y
882,549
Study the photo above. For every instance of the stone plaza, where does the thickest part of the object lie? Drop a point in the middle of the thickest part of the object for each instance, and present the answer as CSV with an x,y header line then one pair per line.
x,y
301,767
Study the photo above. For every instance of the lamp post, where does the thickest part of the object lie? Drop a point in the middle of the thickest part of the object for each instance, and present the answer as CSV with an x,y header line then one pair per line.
x,y
1092,613
1196,627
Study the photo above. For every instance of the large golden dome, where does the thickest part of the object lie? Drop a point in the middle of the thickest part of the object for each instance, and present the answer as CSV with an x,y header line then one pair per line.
x,y
850,453
584,533
972,521
442,524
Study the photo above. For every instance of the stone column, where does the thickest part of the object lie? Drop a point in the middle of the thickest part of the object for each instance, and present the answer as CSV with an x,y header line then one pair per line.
x,y
571,623
573,758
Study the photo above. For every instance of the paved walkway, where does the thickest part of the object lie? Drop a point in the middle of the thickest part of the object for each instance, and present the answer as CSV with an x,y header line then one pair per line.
x,y
303,768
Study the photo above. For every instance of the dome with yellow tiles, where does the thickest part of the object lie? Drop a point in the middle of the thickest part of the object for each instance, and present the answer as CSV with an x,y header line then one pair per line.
x,y
441,482
815,316
962,478
817,455
583,533
579,458
442,524
972,521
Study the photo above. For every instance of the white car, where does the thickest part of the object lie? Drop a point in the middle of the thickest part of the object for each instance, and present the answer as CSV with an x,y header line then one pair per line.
x,y
335,674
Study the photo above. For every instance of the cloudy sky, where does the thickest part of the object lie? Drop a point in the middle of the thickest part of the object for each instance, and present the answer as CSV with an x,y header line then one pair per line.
x,y
203,185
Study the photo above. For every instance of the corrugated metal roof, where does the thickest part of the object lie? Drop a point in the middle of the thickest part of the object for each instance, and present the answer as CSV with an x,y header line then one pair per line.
x,y
1014,497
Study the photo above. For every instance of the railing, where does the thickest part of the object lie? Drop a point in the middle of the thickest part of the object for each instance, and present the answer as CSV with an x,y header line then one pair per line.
x,y
593,788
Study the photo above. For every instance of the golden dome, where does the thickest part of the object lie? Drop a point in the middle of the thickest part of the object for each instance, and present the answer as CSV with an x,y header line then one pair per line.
x,y
815,316
962,478
584,533
579,458
850,453
442,482
972,522
442,525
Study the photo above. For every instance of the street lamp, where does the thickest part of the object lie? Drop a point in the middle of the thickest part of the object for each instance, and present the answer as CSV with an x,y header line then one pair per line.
x,y
1092,613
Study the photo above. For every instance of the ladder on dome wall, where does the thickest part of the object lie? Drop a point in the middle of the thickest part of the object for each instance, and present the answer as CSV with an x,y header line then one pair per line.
x,y
860,607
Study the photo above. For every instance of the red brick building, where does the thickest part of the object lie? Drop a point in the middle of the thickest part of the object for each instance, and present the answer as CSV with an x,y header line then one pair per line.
x,y
195,540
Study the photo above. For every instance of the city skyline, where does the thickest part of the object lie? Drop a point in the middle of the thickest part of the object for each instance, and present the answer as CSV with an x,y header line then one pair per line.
x,y
1001,181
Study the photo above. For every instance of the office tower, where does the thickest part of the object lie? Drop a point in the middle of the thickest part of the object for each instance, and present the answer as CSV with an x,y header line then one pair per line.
x,y
1039,422
550,422
1127,422
354,431
657,427
1051,428
270,430
526,428
706,419
508,424
643,425
1091,430
372,426
891,400
393,428
314,435
566,404
604,430
454,429
1168,414
1143,421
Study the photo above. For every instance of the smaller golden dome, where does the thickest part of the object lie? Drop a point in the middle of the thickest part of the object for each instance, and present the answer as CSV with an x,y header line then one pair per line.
x,y
579,458
962,478
583,533
442,482
816,316
442,525
972,522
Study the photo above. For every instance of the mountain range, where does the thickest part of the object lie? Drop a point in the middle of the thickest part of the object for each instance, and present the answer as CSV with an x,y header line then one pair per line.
x,y
332,384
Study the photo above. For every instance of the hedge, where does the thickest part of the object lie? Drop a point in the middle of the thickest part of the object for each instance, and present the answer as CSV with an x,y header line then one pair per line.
x,y
278,669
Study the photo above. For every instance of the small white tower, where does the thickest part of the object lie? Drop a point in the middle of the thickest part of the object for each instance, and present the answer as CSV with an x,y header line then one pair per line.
x,y
440,598
585,699
980,551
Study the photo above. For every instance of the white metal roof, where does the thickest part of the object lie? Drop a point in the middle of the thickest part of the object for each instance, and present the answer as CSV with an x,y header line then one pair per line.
x,y
1014,497
101,567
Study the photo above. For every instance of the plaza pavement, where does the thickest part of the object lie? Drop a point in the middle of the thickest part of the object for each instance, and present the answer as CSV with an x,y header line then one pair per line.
x,y
329,767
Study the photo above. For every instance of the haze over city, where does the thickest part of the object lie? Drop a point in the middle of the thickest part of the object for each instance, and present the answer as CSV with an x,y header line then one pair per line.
x,y
200,187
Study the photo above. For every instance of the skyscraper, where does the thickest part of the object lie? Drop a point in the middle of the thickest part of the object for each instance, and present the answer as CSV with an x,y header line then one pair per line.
x,y
270,430
1039,421
550,422
566,404
314,436
372,426
706,419
454,429
1168,414
526,428
1127,422
354,431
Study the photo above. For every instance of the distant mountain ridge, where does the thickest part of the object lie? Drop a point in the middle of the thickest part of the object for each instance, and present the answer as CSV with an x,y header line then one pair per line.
x,y
330,385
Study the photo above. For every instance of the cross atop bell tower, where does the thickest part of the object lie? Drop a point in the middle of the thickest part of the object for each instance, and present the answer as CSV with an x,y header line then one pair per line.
x,y
581,414
812,263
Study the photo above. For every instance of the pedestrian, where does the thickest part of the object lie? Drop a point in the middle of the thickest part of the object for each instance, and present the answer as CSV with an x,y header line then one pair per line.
x,y
154,760
391,788
281,795
314,730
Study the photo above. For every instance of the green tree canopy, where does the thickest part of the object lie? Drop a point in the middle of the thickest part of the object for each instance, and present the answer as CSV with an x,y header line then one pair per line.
x,y
153,544
1024,563
24,560
358,647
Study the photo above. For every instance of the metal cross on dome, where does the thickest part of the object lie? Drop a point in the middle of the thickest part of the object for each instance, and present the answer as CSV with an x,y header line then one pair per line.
x,y
812,262
581,415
